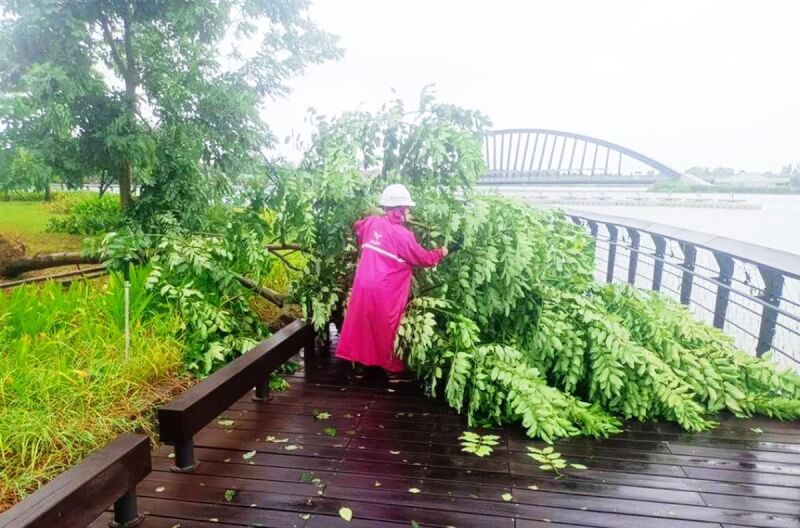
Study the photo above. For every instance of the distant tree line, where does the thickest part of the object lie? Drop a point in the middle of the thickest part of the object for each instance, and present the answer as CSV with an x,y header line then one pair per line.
x,y
792,172
707,172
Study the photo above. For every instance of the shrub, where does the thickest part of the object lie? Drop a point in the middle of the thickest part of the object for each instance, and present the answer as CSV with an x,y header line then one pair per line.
x,y
92,216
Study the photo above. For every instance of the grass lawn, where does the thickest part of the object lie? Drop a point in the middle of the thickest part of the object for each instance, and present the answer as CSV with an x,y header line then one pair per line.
x,y
28,222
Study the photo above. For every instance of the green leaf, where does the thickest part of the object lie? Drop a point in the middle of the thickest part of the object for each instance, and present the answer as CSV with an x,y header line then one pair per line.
x,y
229,495
346,513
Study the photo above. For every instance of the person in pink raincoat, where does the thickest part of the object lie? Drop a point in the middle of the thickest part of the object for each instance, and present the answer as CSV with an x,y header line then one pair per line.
x,y
389,253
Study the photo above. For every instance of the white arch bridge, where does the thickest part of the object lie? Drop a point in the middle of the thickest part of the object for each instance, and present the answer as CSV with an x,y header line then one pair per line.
x,y
537,155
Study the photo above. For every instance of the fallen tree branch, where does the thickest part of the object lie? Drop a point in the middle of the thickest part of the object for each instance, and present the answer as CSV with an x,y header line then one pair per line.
x,y
270,295
286,261
280,247
18,266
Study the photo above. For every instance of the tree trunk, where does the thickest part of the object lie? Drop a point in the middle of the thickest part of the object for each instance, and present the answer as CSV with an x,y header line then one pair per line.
x,y
103,183
16,267
131,77
47,195
125,185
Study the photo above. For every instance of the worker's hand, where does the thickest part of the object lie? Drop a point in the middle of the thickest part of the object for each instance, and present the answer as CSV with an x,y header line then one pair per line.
x,y
444,251
454,246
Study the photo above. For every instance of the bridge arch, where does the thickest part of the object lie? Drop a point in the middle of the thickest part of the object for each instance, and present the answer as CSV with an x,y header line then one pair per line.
x,y
538,155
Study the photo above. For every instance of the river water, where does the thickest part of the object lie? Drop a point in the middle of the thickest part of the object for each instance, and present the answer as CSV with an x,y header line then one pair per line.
x,y
771,220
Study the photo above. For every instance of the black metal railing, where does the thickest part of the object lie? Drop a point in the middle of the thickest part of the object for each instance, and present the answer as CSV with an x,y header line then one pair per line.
x,y
751,292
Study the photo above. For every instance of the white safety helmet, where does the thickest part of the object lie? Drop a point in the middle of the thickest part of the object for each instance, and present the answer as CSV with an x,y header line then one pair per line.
x,y
396,195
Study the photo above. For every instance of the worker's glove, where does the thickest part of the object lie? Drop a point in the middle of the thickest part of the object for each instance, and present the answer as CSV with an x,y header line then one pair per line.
x,y
455,245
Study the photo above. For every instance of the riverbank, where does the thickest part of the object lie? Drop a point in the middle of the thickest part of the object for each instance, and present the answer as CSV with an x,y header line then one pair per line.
x,y
722,188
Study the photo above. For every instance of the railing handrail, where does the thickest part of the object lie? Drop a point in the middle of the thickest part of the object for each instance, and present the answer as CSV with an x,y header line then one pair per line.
x,y
78,496
772,303
781,261
184,416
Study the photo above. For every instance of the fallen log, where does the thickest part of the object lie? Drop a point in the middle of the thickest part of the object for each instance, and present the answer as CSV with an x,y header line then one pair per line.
x,y
89,273
18,266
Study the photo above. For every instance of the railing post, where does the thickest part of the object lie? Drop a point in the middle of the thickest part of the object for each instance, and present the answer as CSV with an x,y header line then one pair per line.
x,y
726,266
634,257
658,266
126,511
773,290
687,279
592,228
612,251
184,456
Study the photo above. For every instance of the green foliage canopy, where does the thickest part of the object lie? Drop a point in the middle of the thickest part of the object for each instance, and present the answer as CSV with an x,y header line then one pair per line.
x,y
163,93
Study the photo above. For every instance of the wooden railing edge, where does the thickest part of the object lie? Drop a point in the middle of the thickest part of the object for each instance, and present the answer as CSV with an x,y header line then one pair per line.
x,y
79,495
181,418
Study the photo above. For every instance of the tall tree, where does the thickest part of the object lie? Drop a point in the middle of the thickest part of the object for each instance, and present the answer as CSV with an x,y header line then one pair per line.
x,y
166,93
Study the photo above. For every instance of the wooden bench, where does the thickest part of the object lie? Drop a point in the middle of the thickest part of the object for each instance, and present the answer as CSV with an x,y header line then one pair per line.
x,y
188,413
79,495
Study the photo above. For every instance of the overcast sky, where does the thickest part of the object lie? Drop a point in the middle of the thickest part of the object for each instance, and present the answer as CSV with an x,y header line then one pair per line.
x,y
687,82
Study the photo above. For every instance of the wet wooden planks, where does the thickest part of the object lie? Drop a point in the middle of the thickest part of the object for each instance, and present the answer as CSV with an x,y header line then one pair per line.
x,y
393,458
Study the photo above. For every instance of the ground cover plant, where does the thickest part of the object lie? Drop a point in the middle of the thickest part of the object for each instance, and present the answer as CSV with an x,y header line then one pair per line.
x,y
66,387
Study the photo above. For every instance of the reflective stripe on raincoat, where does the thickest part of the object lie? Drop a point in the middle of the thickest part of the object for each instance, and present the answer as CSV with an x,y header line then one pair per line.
x,y
389,252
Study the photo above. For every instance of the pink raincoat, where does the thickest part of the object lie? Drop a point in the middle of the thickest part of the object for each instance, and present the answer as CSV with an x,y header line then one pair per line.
x,y
382,283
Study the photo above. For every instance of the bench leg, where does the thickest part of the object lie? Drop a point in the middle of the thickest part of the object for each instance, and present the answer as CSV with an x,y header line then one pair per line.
x,y
126,511
184,457
262,392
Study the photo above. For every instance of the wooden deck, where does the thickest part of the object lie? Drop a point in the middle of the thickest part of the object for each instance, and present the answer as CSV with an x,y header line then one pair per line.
x,y
389,440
